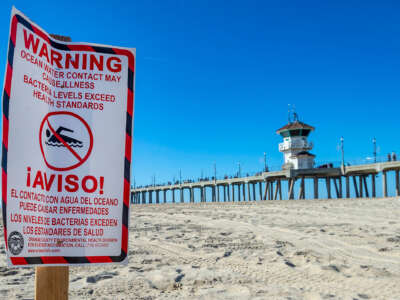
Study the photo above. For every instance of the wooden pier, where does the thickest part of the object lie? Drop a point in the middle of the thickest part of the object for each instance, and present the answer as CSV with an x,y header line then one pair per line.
x,y
344,182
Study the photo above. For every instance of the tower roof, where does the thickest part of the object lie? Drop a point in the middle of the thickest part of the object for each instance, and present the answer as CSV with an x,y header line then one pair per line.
x,y
295,125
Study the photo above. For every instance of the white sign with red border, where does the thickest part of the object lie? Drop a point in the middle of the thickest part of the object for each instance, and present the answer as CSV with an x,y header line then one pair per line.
x,y
66,155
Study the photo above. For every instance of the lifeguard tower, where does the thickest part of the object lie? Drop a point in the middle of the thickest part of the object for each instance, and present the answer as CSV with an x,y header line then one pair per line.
x,y
295,146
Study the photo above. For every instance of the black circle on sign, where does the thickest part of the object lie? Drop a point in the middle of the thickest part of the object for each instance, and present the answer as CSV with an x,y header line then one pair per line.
x,y
15,242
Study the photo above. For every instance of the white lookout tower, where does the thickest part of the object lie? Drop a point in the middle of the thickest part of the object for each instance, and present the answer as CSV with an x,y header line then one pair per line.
x,y
295,145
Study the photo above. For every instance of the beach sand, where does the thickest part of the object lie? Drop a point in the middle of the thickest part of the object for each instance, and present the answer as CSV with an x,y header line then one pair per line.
x,y
301,249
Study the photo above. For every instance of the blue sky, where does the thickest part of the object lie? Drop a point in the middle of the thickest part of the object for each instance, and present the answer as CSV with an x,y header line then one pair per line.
x,y
214,78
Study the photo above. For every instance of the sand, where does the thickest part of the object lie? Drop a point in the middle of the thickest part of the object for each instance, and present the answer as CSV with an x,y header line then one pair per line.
x,y
301,249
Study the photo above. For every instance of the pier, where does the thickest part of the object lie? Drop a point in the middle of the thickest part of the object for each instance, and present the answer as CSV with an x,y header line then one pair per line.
x,y
358,181
299,177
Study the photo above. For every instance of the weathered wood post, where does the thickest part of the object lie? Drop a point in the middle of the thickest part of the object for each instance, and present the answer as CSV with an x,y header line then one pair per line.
x,y
355,187
328,187
302,187
366,186
373,185
347,187
280,189
51,283
276,189
266,189
316,187
384,184
336,188
291,188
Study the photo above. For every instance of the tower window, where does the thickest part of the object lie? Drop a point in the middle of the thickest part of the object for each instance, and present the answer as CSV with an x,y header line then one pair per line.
x,y
295,132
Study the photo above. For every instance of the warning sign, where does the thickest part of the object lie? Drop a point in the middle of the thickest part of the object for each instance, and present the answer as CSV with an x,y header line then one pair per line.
x,y
66,155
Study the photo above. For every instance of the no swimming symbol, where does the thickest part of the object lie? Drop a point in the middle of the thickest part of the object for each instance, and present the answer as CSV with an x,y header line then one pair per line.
x,y
65,139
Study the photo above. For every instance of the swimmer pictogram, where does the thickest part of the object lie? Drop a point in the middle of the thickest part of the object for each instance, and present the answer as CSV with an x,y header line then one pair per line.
x,y
53,141
69,145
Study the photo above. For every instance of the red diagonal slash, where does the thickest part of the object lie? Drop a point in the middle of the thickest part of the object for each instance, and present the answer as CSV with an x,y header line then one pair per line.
x,y
63,142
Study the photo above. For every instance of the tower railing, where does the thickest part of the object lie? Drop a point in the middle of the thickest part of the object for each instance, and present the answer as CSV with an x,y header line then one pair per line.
x,y
295,145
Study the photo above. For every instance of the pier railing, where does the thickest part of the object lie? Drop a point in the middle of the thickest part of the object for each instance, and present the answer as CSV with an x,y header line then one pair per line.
x,y
359,180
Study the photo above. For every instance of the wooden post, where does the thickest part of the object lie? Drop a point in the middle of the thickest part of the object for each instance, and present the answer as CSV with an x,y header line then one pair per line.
x,y
280,189
340,187
291,188
227,191
266,190
244,191
165,196
347,187
51,283
373,185
301,192
276,190
361,186
254,191
355,187
224,192
233,192
173,195
336,188
218,193
157,197
316,188
260,188
384,184
191,195
366,186
328,187
248,191
397,183
271,190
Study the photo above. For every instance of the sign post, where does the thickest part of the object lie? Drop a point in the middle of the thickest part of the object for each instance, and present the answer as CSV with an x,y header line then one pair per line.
x,y
51,283
66,153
